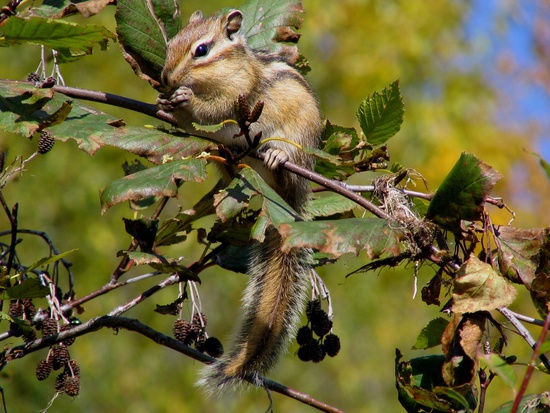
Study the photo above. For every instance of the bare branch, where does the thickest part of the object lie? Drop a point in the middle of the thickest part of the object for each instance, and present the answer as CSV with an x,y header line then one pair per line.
x,y
131,324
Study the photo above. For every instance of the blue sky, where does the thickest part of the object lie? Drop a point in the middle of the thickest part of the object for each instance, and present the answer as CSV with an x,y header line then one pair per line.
x,y
526,101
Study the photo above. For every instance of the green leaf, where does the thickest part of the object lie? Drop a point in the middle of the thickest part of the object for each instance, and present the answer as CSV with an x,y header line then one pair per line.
x,y
160,180
340,146
500,367
478,287
24,109
381,114
168,17
4,316
263,22
340,237
340,140
462,194
56,34
329,204
143,35
430,336
29,288
45,261
232,200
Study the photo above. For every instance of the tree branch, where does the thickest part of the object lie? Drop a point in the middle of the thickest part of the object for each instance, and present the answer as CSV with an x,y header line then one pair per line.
x,y
130,324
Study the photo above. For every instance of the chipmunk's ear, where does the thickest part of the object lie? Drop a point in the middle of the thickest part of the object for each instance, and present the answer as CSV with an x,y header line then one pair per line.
x,y
234,22
195,16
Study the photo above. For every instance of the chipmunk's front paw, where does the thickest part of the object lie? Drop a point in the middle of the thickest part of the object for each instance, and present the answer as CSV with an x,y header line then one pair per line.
x,y
274,157
164,103
180,97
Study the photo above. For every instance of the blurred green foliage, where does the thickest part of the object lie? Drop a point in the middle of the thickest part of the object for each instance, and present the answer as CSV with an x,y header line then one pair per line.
x,y
354,47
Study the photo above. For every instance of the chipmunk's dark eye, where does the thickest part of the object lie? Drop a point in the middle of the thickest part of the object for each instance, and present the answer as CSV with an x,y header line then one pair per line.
x,y
202,50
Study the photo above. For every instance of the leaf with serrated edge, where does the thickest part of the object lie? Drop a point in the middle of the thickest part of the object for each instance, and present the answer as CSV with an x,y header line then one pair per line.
x,y
381,114
55,34
262,19
478,287
157,181
329,204
340,237
462,194
23,107
142,38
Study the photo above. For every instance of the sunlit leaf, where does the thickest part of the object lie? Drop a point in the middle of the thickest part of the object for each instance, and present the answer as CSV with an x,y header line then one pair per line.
x,y
265,21
56,34
45,261
329,204
25,108
462,194
160,180
373,235
20,106
381,114
143,37
478,287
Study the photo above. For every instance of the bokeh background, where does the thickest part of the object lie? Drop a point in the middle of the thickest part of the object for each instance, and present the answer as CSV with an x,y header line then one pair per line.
x,y
475,77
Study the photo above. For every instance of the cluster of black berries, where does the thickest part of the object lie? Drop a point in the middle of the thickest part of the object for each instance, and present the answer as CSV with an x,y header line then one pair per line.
x,y
68,381
315,349
194,332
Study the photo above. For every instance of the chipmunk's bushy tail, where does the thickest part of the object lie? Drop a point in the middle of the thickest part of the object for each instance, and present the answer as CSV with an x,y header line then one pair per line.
x,y
272,304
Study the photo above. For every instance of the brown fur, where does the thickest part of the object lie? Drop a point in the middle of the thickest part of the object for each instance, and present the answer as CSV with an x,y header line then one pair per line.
x,y
274,297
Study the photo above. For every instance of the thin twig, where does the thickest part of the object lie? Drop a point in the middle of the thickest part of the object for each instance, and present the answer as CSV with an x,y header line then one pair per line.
x,y
67,264
12,217
531,366
524,333
173,279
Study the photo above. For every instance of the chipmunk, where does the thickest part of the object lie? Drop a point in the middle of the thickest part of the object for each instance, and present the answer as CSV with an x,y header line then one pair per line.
x,y
208,65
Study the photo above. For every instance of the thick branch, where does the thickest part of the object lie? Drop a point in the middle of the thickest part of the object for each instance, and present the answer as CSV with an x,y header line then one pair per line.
x,y
130,324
